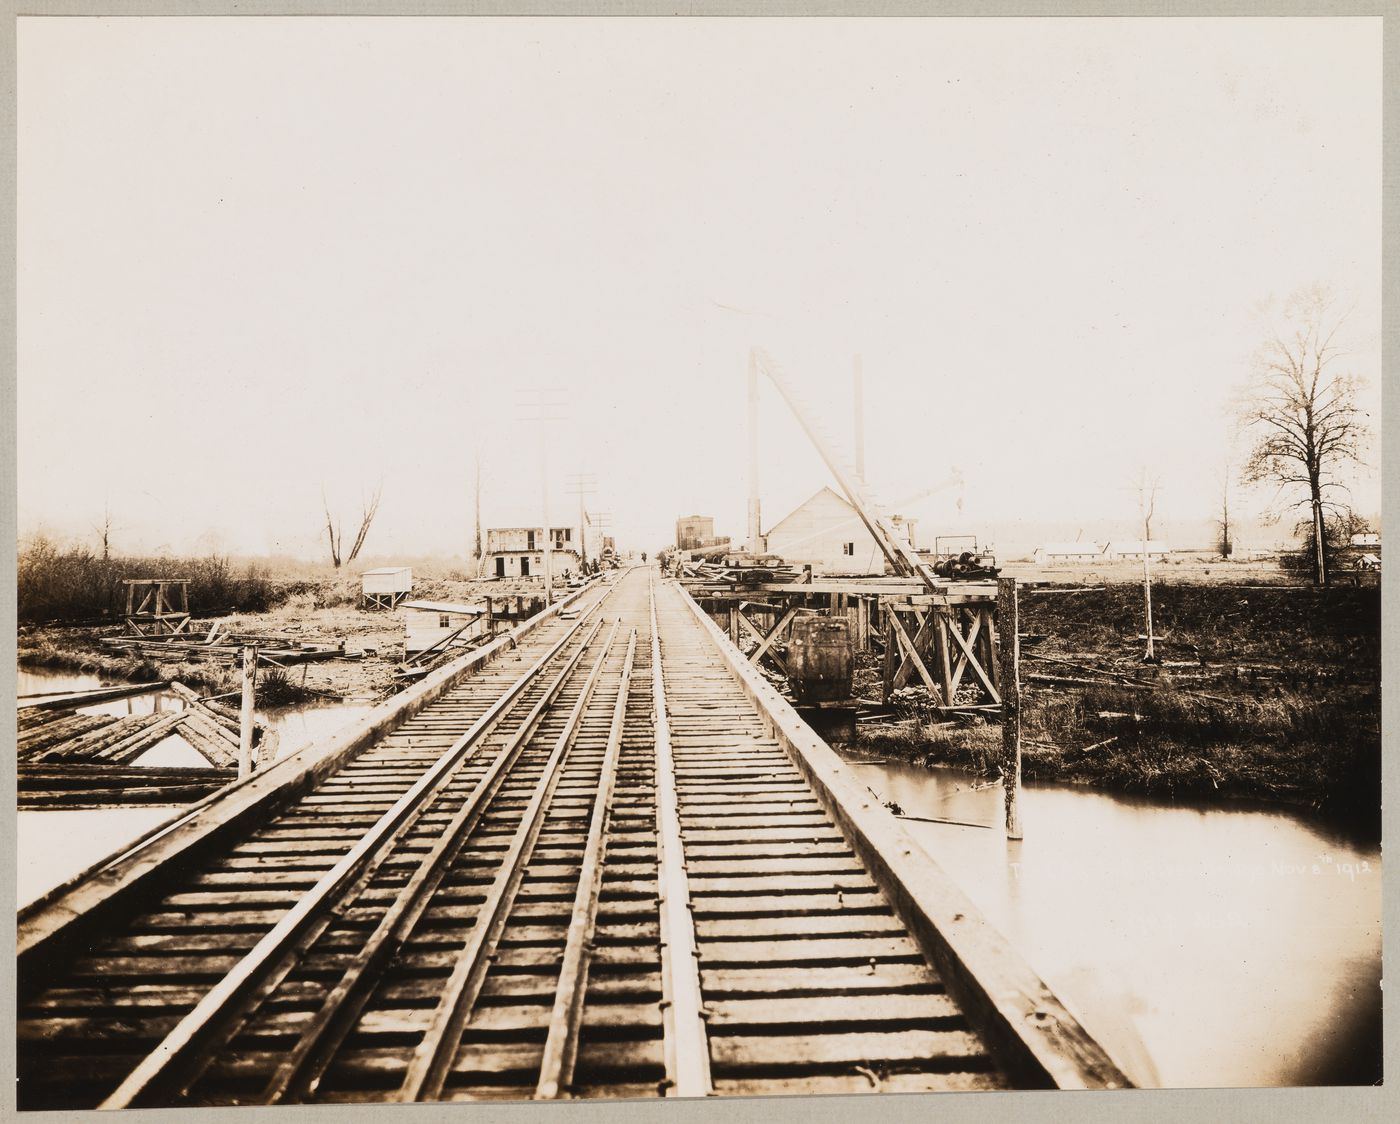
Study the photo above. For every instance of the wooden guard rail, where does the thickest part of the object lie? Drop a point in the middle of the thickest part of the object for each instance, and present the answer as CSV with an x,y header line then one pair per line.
x,y
1036,1037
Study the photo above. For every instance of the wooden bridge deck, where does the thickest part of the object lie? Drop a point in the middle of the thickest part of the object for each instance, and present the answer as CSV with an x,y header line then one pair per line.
x,y
568,871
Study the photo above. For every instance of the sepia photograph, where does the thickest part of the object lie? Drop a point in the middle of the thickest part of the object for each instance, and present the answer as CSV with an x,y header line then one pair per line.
x,y
639,557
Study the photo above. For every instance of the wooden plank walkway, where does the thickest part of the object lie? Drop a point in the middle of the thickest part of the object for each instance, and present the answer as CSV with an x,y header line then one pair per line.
x,y
591,860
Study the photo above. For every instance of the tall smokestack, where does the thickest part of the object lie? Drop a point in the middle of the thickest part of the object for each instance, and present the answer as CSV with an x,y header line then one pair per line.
x,y
755,514
858,388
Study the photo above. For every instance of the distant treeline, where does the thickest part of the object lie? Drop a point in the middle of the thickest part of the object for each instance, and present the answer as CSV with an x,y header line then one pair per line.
x,y
73,583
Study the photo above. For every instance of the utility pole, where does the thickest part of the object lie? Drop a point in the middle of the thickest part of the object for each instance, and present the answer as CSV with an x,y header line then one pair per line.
x,y
544,405
858,388
755,514
603,521
478,555
583,484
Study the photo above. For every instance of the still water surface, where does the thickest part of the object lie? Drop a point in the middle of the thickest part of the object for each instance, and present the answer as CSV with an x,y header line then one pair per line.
x,y
54,845
1204,946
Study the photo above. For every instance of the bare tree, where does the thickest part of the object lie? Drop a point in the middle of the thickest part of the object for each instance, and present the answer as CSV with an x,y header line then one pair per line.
x,y
1300,409
332,529
369,509
104,533
1147,485
1222,524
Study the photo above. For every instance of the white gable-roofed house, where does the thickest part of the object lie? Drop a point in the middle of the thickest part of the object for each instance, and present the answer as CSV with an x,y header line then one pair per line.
x,y
826,533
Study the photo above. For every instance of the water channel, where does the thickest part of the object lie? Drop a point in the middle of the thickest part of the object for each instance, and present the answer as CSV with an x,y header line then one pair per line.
x,y
54,845
1203,945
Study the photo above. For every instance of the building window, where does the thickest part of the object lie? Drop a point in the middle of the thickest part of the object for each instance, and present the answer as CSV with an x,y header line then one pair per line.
x,y
849,549
444,621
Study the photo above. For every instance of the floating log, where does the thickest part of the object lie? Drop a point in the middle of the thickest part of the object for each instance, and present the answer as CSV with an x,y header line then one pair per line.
x,y
98,786
204,739
142,740
67,776
63,731
97,695
29,719
89,745
220,716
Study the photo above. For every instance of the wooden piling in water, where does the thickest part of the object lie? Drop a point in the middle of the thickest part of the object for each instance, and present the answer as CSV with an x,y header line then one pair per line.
x,y
245,714
1009,623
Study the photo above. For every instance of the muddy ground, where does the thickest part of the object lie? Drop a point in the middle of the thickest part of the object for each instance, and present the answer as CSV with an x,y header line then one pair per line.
x,y
1261,693
315,613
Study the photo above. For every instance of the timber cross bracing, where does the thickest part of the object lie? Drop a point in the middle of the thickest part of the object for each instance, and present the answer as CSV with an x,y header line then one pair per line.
x,y
151,609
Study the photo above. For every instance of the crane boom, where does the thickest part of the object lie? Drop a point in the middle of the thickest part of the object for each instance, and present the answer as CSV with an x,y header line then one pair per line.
x,y
905,562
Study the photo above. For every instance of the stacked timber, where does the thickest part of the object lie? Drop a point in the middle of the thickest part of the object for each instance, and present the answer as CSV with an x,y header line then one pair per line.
x,y
72,787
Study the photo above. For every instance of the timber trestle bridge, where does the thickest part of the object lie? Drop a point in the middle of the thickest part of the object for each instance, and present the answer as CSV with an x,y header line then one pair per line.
x,y
600,857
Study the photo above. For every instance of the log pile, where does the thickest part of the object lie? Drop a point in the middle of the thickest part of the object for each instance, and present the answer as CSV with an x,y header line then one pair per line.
x,y
63,736
51,732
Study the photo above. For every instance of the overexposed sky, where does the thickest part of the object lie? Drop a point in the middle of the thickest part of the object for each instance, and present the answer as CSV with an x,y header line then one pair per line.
x,y
260,255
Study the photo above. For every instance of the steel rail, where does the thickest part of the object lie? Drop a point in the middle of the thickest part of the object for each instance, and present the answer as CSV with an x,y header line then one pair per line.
x,y
686,1043
55,916
182,1043
302,1067
566,1019
432,1058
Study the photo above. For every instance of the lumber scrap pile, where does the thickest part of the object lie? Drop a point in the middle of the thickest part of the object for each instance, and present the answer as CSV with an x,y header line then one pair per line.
x,y
228,651
53,787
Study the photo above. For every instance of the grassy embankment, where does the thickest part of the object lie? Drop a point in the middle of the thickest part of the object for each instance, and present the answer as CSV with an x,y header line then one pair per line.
x,y
1270,694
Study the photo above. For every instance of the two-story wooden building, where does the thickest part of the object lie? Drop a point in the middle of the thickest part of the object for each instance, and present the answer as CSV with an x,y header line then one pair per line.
x,y
518,552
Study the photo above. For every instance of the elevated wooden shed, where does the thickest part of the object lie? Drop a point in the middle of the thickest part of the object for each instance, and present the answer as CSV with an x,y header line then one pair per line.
x,y
385,587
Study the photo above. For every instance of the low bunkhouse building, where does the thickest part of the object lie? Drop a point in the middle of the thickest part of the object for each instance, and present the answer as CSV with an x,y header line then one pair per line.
x,y
428,624
1059,553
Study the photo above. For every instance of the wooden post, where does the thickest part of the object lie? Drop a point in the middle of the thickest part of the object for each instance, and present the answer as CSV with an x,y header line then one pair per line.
x,y
268,747
945,663
988,637
1009,621
891,655
734,623
245,714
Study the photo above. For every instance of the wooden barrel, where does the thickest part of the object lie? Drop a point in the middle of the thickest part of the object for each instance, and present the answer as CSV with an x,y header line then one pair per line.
x,y
820,660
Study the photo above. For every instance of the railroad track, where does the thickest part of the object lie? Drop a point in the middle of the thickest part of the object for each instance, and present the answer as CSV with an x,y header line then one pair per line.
x,y
597,867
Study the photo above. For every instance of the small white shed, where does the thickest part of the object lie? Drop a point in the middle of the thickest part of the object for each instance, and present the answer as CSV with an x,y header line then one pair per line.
x,y
430,623
386,587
